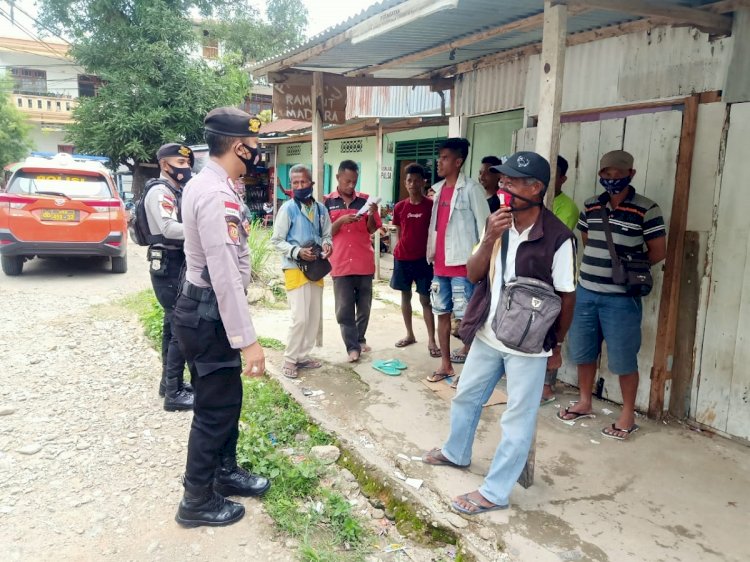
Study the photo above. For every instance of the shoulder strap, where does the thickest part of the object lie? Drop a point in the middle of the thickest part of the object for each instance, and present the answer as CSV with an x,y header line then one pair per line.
x,y
504,256
608,234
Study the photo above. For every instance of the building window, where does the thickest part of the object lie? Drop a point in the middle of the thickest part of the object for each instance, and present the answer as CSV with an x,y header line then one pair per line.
x,y
88,85
294,150
29,80
351,146
210,46
67,148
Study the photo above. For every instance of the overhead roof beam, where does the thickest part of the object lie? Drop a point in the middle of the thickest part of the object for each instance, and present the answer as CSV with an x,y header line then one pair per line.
x,y
525,24
302,78
674,14
579,38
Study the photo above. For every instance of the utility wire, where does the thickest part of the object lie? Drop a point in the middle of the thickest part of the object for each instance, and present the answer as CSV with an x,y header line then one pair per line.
x,y
29,33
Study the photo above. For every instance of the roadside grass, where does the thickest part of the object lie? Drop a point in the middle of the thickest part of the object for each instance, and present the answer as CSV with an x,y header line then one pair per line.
x,y
259,242
275,441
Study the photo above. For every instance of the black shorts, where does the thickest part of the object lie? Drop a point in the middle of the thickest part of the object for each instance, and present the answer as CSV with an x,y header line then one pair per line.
x,y
405,273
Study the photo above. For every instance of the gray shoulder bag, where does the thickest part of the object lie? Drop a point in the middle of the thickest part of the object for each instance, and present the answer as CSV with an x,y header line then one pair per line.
x,y
527,310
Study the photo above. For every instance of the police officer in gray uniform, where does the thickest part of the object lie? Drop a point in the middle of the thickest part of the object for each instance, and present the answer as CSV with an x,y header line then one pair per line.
x,y
166,258
212,322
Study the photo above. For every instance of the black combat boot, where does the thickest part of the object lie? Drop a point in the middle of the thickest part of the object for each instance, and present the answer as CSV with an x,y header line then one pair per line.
x,y
231,480
186,386
203,506
176,398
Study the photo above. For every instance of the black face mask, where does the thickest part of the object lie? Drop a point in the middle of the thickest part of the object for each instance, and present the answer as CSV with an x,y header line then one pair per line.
x,y
180,175
512,196
249,162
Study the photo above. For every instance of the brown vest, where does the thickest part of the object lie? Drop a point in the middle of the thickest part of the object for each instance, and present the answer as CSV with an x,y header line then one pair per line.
x,y
533,259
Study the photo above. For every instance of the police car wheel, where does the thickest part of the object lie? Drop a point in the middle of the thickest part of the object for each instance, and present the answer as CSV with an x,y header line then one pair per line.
x,y
12,265
120,265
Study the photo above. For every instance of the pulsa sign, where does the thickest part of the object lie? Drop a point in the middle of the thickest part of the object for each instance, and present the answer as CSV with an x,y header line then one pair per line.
x,y
295,102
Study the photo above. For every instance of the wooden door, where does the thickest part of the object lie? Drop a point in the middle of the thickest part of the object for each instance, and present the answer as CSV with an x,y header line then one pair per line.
x,y
721,389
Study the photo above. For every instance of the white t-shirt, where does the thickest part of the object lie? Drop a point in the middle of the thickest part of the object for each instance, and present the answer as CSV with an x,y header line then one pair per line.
x,y
563,279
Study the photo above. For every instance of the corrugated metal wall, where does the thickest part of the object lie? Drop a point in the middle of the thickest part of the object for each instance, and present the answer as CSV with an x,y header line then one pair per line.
x,y
666,62
394,101
492,89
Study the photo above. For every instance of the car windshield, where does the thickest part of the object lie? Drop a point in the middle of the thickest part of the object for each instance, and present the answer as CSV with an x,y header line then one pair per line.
x,y
70,184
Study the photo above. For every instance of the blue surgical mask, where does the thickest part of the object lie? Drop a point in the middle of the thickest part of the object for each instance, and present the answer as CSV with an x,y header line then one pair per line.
x,y
303,194
615,186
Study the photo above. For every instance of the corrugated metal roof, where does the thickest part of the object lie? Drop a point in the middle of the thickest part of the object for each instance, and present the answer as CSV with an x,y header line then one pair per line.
x,y
440,28
394,101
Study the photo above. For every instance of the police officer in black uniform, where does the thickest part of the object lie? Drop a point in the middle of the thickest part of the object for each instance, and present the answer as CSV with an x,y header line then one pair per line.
x,y
212,322
166,258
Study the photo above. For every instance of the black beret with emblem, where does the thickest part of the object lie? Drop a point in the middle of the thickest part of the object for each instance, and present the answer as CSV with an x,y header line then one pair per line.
x,y
175,149
231,122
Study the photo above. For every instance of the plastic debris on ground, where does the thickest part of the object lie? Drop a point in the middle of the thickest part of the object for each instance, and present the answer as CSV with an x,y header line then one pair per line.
x,y
595,442
417,459
404,457
400,475
394,548
415,483
606,411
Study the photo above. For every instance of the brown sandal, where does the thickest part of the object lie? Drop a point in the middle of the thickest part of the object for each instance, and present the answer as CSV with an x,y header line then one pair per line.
x,y
289,372
437,376
435,457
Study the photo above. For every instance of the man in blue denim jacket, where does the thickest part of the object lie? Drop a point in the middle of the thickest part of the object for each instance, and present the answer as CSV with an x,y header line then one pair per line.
x,y
458,218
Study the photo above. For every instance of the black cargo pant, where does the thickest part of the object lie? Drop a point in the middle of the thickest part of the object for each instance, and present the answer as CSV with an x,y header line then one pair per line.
x,y
353,295
216,371
166,287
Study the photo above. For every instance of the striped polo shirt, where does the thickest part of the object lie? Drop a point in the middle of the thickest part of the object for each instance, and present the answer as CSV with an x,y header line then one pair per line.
x,y
634,222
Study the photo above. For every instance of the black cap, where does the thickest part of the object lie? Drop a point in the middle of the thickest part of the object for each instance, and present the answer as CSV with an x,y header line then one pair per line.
x,y
231,122
525,164
175,149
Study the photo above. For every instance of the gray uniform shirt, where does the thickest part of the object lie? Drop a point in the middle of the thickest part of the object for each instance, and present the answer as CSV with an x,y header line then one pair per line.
x,y
216,236
161,214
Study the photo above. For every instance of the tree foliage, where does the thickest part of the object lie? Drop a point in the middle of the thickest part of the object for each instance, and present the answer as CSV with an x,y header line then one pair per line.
x,y
156,88
242,29
15,142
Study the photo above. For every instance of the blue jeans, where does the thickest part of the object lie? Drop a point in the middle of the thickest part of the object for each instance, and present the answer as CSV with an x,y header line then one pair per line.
x,y
483,369
614,319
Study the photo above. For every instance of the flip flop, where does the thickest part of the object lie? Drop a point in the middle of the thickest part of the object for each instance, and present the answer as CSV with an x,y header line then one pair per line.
x,y
405,342
628,432
480,508
437,376
390,371
546,401
578,416
393,363
431,458
454,384
435,352
457,357
310,364
289,372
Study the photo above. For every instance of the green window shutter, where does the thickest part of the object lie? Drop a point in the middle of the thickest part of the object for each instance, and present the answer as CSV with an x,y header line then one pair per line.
x,y
327,179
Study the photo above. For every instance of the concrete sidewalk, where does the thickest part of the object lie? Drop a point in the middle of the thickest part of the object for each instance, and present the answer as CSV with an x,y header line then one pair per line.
x,y
669,494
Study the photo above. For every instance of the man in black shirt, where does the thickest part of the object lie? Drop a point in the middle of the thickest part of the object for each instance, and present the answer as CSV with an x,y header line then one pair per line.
x,y
488,178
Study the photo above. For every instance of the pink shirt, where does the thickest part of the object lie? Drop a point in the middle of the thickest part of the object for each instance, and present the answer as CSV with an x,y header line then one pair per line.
x,y
443,214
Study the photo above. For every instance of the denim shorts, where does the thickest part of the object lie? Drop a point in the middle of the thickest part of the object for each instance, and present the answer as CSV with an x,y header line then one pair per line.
x,y
450,294
613,319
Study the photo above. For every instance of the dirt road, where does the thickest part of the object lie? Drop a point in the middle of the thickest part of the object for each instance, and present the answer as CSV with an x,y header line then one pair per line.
x,y
90,463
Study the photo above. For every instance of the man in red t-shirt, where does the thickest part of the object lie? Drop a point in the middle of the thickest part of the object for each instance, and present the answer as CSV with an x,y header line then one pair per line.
x,y
459,213
412,218
353,261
